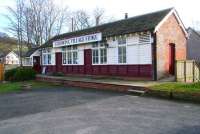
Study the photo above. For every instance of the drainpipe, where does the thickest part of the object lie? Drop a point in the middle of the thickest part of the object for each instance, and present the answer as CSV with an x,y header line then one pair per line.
x,y
154,55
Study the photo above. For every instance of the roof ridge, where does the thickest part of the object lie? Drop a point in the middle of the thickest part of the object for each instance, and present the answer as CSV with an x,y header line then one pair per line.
x,y
117,21
194,31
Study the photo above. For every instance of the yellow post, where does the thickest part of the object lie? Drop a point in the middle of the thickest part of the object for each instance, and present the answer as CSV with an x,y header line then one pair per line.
x,y
1,72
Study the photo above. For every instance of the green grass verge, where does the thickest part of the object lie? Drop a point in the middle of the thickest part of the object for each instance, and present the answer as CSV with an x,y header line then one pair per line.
x,y
10,87
178,91
178,87
18,86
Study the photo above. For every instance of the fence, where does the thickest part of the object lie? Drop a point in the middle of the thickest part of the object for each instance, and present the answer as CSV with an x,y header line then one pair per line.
x,y
187,71
1,71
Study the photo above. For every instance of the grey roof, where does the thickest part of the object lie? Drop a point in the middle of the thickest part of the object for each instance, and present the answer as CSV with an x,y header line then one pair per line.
x,y
189,30
193,45
146,22
4,53
30,52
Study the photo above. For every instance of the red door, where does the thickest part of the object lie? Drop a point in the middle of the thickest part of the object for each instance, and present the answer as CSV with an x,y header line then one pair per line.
x,y
36,64
172,59
58,62
88,61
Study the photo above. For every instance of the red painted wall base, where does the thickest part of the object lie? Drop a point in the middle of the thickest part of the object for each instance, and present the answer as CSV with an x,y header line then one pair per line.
x,y
103,70
111,70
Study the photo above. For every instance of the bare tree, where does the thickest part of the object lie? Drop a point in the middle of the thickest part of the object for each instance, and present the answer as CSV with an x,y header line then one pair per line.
x,y
98,15
28,27
16,24
54,19
39,20
81,20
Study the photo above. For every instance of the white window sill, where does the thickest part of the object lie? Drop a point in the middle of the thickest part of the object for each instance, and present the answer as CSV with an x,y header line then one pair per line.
x,y
71,64
48,64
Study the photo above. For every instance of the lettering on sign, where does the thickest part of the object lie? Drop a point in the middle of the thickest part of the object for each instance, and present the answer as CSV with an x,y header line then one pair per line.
x,y
78,40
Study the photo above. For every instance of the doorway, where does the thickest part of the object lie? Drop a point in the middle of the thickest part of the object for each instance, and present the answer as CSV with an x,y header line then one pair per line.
x,y
172,59
36,64
88,61
58,62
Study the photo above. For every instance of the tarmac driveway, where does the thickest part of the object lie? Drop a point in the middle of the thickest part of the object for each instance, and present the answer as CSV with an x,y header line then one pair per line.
x,y
81,111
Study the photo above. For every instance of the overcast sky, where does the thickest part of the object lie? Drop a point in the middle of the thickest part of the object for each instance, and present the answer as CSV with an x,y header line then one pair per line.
x,y
189,10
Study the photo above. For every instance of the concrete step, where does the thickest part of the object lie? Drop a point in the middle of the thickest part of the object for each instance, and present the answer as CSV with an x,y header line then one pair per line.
x,y
137,91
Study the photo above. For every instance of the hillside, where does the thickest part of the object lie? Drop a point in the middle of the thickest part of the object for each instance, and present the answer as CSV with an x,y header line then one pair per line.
x,y
3,34
9,44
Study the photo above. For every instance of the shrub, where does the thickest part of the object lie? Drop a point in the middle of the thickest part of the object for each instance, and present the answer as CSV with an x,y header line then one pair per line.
x,y
10,74
20,74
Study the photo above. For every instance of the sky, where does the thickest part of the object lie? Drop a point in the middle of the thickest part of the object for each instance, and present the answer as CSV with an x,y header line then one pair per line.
x,y
187,9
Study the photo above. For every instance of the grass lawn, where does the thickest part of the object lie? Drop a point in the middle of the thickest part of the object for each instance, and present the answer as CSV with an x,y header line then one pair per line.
x,y
18,86
179,91
178,87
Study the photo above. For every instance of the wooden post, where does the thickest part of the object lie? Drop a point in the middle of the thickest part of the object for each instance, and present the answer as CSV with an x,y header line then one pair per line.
x,y
199,73
185,77
193,71
176,64
1,72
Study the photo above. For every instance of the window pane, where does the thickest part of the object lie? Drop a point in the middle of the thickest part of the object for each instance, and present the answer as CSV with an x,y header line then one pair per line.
x,y
69,57
95,56
74,47
103,56
64,57
122,54
44,59
75,58
49,58
122,40
95,45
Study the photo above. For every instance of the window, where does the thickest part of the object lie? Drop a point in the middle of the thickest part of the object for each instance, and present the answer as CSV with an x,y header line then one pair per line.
x,y
47,57
27,61
99,53
103,56
122,50
70,55
145,38
95,56
122,54
64,57
75,57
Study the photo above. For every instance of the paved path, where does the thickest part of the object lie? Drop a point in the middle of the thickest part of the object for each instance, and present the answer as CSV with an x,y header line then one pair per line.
x,y
116,81
75,111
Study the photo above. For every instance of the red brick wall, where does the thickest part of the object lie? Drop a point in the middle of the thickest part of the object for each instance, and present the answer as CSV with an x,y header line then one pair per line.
x,y
169,32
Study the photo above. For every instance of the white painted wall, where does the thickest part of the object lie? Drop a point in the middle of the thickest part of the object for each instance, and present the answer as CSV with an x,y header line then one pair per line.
x,y
137,53
28,61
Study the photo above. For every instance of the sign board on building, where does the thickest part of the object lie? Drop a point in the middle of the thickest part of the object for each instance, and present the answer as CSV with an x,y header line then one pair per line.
x,y
78,40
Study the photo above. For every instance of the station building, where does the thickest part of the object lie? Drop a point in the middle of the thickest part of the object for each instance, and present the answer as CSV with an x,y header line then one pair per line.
x,y
143,47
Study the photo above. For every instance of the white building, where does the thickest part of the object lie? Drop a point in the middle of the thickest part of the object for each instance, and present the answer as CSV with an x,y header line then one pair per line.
x,y
10,58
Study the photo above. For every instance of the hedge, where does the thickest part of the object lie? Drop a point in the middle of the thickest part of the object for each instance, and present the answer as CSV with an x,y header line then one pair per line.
x,y
20,74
